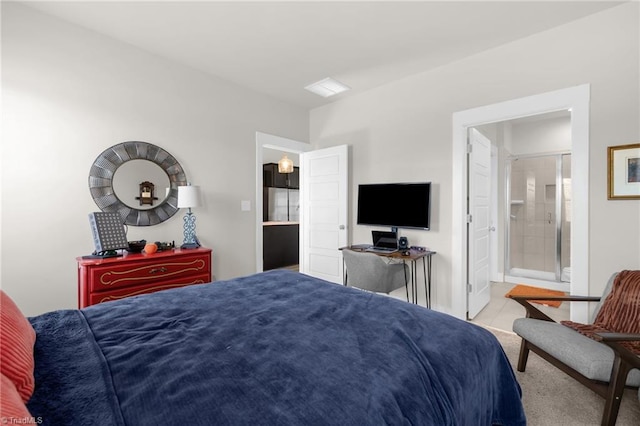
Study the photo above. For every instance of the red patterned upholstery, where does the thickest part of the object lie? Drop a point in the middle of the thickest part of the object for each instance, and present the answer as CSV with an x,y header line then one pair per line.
x,y
17,338
12,408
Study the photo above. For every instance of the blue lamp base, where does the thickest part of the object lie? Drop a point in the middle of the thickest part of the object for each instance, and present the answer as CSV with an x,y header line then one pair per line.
x,y
190,246
190,239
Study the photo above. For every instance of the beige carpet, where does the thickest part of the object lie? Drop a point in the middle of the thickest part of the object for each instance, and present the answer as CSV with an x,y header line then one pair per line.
x,y
551,398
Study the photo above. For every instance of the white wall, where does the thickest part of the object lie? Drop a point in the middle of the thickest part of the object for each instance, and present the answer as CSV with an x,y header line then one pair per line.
x,y
402,131
539,137
67,95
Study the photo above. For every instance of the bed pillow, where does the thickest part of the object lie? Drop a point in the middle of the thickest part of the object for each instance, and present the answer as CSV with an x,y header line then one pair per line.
x,y
11,404
17,338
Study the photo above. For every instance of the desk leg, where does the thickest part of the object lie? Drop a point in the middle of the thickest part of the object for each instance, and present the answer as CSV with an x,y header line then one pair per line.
x,y
406,279
414,281
427,279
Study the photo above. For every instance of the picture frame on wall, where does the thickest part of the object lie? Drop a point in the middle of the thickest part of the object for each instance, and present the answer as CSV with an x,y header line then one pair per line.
x,y
623,172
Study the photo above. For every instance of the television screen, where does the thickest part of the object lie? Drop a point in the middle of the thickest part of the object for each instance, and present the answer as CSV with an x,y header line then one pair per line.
x,y
400,205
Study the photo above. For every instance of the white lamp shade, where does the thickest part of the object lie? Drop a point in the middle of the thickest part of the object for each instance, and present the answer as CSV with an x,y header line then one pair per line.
x,y
188,196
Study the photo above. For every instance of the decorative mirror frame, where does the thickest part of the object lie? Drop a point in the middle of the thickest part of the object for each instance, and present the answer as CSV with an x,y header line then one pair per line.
x,y
105,166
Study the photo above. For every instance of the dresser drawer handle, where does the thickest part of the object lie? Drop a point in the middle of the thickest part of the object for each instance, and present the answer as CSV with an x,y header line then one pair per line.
x,y
156,270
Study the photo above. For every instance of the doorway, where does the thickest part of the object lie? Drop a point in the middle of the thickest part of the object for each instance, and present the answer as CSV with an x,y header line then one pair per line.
x,y
531,200
576,99
538,208
323,208
268,147
280,210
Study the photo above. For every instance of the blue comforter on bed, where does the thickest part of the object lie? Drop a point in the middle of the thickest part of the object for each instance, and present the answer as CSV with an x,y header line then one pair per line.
x,y
277,348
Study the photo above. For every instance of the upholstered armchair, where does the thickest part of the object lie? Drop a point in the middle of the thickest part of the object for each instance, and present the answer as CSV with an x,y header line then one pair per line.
x,y
602,355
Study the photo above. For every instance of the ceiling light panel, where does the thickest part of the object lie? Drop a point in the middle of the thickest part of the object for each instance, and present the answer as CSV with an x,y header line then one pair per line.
x,y
327,87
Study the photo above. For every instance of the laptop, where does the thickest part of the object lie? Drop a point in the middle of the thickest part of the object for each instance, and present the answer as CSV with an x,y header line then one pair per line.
x,y
384,242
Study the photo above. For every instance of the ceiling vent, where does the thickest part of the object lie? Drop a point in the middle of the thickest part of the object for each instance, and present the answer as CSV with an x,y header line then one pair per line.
x,y
327,87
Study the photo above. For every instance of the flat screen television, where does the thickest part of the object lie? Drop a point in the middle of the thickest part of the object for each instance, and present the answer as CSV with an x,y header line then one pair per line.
x,y
398,205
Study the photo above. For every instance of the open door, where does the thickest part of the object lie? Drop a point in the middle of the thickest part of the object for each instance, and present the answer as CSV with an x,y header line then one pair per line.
x,y
324,193
479,289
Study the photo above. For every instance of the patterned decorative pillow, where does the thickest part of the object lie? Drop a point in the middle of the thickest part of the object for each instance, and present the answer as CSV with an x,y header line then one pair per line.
x,y
619,312
12,408
17,338
621,309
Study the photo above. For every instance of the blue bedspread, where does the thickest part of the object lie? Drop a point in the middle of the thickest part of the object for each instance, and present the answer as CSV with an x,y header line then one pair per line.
x,y
277,348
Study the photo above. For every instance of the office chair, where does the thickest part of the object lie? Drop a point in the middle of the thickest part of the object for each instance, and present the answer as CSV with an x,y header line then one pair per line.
x,y
368,271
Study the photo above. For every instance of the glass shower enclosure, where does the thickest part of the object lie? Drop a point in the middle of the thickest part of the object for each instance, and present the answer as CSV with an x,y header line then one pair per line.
x,y
538,217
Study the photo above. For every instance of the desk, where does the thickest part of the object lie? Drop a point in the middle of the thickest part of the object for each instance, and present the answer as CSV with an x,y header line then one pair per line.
x,y
412,259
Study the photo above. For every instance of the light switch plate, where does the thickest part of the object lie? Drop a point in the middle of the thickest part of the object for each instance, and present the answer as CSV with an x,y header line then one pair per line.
x,y
245,205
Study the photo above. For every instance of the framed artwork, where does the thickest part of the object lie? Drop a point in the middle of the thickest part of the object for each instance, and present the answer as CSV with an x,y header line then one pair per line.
x,y
623,179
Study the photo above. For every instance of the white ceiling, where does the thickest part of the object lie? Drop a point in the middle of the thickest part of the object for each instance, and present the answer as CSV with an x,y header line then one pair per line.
x,y
278,48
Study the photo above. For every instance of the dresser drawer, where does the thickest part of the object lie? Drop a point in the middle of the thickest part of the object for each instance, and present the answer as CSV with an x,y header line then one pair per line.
x,y
121,293
148,271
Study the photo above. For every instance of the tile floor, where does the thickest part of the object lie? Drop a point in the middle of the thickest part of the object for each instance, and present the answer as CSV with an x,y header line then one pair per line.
x,y
501,311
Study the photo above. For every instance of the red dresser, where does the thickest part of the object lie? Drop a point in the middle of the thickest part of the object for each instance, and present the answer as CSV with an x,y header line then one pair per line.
x,y
103,280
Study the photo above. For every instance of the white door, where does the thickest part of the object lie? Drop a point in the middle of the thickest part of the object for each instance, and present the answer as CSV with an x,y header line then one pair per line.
x,y
479,289
324,193
494,275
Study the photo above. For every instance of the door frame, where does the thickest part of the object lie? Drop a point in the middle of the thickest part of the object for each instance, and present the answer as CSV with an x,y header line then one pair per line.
x,y
265,140
577,100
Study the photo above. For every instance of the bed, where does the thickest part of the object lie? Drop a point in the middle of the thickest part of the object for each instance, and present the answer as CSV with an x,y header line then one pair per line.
x,y
275,348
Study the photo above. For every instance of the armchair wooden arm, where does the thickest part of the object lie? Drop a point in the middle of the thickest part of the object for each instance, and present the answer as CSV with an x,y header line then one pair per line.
x,y
567,298
620,337
613,341
533,312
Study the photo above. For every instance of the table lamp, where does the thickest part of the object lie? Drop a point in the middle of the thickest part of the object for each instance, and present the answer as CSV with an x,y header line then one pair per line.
x,y
188,197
